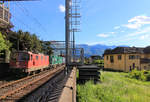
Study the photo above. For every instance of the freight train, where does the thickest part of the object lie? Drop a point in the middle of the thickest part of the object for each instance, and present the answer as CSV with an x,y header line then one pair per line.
x,y
28,62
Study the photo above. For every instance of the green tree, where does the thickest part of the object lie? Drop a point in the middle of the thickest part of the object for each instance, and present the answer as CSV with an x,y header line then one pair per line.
x,y
27,41
46,47
24,40
4,47
3,43
36,44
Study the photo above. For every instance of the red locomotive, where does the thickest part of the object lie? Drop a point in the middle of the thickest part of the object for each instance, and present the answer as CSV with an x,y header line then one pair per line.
x,y
28,62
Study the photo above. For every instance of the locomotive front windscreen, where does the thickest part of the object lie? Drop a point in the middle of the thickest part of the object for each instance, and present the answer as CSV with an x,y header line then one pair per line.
x,y
23,56
20,56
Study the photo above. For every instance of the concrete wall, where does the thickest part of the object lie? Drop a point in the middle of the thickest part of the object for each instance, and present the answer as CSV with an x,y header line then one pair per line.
x,y
69,91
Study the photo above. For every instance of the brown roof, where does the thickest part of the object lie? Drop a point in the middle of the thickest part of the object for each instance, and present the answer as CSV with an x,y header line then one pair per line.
x,y
121,50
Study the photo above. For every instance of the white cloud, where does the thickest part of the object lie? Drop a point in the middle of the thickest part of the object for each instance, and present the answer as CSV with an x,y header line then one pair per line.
x,y
116,27
122,31
137,22
143,37
62,8
133,26
140,32
103,35
95,43
112,32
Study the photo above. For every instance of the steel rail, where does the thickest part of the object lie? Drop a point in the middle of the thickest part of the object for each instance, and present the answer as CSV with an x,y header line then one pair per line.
x,y
13,82
17,81
50,73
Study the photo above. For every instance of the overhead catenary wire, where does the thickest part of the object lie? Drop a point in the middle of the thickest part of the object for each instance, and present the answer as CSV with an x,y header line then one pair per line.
x,y
29,15
19,20
34,18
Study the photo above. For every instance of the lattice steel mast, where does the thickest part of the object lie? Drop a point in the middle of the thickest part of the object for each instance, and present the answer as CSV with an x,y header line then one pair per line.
x,y
72,22
67,33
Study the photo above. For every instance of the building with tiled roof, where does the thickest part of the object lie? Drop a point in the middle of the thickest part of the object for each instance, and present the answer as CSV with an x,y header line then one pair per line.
x,y
127,58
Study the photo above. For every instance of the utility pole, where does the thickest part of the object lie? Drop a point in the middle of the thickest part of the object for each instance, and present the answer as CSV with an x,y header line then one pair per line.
x,y
17,44
73,47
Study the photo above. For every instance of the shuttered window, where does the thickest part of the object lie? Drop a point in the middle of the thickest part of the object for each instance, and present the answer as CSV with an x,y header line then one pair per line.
x,y
112,59
119,57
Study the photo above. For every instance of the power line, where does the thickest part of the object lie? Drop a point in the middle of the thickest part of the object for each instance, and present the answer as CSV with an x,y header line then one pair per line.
x,y
20,20
27,13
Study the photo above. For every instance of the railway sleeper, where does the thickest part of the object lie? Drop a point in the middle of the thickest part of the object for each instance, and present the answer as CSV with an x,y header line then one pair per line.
x,y
49,90
14,91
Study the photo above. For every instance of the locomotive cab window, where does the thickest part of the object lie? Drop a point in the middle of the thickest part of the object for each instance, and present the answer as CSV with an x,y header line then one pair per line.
x,y
45,57
23,56
41,57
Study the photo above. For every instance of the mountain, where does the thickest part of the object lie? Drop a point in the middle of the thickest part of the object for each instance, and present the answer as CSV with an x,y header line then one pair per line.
x,y
97,49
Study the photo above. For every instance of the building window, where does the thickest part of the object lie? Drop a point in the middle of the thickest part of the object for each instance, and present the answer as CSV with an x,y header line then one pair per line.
x,y
130,68
37,57
133,65
45,57
137,57
111,59
119,57
145,68
41,57
107,57
131,57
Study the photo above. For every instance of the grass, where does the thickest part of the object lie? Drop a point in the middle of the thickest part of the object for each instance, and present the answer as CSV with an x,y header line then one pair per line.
x,y
115,87
100,63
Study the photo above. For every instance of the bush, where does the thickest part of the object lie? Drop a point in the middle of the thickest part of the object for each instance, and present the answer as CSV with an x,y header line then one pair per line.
x,y
100,63
140,75
147,74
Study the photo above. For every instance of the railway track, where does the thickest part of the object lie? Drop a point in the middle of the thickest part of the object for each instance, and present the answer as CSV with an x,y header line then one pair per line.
x,y
48,92
13,91
8,79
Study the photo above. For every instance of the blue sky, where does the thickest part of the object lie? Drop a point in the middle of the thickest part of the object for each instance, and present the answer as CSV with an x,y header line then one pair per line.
x,y
109,22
